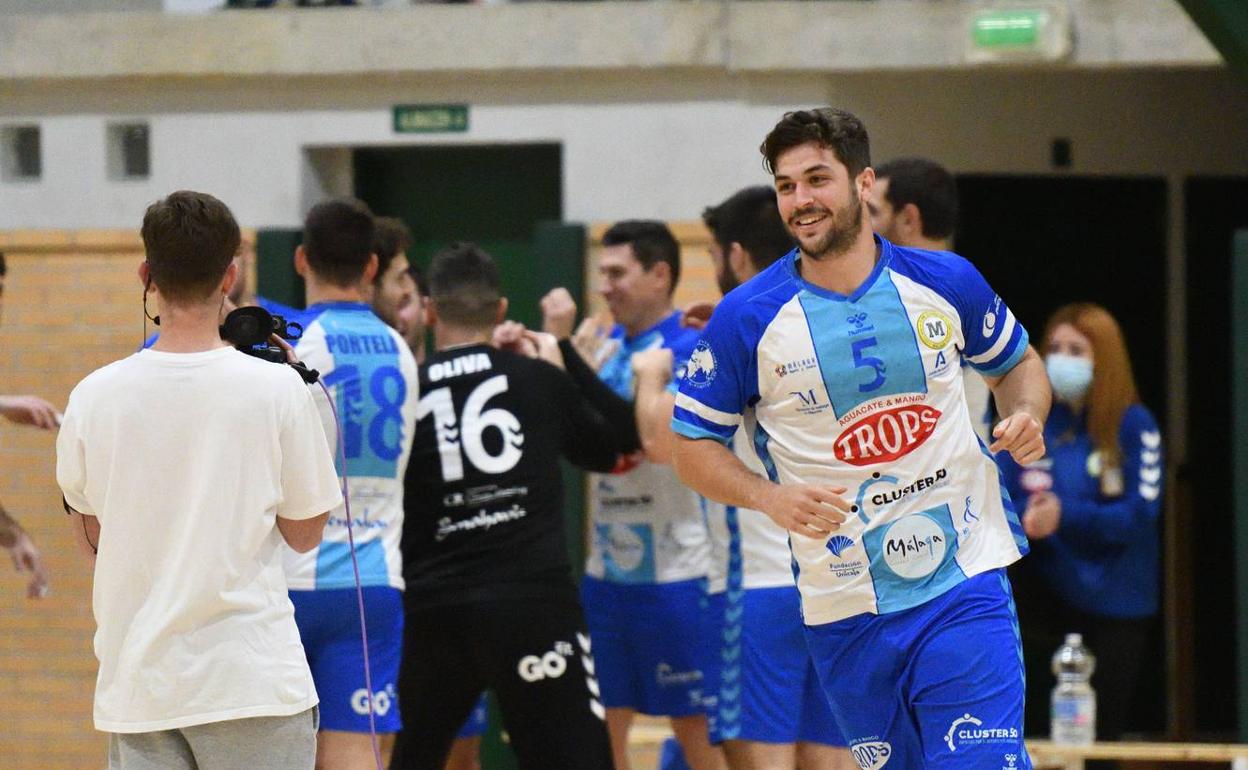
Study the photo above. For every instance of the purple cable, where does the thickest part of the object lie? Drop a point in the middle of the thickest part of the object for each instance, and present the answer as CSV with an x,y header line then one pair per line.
x,y
359,588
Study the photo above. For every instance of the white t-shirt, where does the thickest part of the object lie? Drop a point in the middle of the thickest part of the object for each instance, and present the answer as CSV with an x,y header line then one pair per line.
x,y
187,460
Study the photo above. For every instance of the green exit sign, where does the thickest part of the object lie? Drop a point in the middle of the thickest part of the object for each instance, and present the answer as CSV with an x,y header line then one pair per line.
x,y
1039,32
1012,29
430,118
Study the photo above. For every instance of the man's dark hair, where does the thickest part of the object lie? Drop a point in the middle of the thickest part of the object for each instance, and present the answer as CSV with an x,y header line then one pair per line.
x,y
4,268
391,237
338,240
418,277
830,127
929,186
190,239
751,218
652,242
463,282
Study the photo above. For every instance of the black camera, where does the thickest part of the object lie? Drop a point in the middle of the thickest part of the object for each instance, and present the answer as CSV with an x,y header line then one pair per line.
x,y
249,329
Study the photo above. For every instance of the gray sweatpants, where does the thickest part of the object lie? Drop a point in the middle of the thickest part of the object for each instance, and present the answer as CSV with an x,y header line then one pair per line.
x,y
272,743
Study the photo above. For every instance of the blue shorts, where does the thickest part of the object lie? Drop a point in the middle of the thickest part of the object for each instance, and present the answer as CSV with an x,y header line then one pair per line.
x,y
646,641
329,625
478,720
760,681
938,686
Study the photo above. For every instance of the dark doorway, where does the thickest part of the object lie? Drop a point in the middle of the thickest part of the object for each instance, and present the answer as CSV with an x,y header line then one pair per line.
x,y
491,195
508,200
1216,208
1043,242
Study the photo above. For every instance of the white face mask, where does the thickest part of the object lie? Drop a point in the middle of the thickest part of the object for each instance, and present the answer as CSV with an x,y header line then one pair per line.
x,y
1071,376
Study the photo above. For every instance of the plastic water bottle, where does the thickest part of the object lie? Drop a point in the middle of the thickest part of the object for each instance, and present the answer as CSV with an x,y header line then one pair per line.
x,y
1073,715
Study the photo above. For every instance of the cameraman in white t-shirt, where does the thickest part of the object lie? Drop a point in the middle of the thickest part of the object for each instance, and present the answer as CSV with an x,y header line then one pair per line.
x,y
185,467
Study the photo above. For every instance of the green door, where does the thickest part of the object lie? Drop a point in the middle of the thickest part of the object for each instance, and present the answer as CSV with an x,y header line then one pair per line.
x,y
493,196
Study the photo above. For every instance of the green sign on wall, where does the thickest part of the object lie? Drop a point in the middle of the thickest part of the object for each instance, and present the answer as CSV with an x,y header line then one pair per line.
x,y
430,118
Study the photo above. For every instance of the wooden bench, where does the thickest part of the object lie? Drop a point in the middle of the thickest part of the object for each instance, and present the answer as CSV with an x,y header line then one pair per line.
x,y
1046,755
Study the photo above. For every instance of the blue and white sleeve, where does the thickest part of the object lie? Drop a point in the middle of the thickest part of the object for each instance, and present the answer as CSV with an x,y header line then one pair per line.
x,y
994,339
720,381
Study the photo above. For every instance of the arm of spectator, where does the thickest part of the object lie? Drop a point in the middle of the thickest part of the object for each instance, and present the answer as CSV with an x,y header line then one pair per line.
x,y
1023,395
309,481
86,531
1114,521
25,556
655,403
71,477
302,535
30,410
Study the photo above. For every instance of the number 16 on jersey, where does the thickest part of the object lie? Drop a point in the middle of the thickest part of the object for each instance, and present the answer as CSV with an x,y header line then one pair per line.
x,y
463,435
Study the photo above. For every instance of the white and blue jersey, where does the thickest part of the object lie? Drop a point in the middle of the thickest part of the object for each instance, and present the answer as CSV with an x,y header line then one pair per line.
x,y
647,525
748,549
372,375
865,391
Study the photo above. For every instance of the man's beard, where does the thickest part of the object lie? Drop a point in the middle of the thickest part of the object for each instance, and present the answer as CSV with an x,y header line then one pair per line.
x,y
725,278
846,225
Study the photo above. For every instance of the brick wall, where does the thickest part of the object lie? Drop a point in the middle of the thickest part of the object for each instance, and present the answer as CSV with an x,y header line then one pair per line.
x,y
71,304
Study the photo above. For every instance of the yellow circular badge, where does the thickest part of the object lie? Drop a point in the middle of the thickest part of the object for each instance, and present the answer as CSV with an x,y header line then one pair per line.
x,y
935,329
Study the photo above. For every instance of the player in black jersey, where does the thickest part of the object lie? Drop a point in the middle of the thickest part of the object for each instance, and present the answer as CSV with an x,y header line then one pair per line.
x,y
490,602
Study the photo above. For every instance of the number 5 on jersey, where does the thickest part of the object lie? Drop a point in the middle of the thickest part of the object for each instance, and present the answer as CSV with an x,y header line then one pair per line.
x,y
462,436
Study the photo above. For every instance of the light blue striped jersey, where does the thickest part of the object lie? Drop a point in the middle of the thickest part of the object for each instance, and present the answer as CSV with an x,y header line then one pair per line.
x,y
865,391
647,525
371,373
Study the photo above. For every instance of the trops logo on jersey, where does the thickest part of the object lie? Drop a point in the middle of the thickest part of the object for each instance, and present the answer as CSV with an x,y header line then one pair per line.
x,y
886,435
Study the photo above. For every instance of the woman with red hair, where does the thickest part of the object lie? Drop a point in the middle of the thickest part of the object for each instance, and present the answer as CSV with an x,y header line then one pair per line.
x,y
1091,510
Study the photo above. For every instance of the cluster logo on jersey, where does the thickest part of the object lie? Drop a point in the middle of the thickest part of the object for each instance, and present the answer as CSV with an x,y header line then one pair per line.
x,y
885,435
700,369
966,730
935,329
872,755
550,665
896,493
914,547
